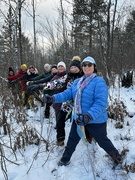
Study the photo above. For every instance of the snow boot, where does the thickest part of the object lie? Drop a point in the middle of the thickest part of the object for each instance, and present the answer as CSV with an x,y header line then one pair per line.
x,y
60,143
63,163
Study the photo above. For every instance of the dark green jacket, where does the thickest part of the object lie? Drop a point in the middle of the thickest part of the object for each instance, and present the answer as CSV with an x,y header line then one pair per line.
x,y
41,76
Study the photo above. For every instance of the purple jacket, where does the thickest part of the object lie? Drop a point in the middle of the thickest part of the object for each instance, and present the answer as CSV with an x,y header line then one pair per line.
x,y
64,86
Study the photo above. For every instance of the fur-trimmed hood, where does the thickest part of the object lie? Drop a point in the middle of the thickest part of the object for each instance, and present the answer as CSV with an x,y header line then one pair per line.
x,y
35,71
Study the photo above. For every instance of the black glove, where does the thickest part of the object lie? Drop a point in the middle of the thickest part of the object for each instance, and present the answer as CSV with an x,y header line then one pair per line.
x,y
14,81
48,99
83,119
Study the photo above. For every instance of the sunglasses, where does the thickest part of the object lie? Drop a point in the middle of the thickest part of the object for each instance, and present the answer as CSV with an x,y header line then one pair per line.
x,y
87,64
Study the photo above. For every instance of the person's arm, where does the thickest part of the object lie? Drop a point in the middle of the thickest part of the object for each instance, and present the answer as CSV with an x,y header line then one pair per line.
x,y
24,76
41,76
63,96
44,80
58,98
11,78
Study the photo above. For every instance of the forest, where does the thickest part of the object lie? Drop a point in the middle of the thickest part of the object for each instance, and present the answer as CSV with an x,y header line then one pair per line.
x,y
104,29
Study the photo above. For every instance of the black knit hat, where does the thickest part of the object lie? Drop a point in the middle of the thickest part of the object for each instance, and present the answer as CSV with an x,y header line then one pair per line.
x,y
76,63
11,69
54,66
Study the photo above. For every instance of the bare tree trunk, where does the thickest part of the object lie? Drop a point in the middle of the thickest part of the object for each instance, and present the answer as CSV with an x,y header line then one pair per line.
x,y
20,31
108,31
112,31
15,38
64,30
34,32
90,27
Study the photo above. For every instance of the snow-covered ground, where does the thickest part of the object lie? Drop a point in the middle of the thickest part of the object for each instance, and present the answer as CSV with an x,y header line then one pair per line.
x,y
40,162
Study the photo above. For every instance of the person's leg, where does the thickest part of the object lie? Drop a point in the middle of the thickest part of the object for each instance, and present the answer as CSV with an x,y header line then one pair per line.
x,y
27,94
60,126
99,133
31,100
32,88
47,111
25,100
73,140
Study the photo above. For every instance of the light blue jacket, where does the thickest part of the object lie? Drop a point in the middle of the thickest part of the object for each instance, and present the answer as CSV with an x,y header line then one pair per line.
x,y
94,98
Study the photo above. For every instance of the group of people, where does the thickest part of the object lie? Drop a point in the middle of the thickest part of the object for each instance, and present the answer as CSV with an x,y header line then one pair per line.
x,y
19,80
88,94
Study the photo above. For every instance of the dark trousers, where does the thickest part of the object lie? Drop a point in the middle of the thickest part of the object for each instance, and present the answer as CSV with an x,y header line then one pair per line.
x,y
33,88
98,131
60,124
47,111
30,91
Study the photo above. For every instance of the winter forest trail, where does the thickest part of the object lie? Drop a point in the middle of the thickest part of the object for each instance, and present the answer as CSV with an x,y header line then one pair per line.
x,y
34,160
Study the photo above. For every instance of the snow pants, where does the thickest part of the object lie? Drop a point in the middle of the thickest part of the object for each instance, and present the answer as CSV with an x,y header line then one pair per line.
x,y
98,131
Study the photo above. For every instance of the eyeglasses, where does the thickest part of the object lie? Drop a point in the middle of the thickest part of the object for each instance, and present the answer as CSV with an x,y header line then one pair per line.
x,y
87,64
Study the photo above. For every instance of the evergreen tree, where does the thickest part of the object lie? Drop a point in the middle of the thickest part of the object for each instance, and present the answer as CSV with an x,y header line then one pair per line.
x,y
130,41
9,44
130,27
8,37
86,17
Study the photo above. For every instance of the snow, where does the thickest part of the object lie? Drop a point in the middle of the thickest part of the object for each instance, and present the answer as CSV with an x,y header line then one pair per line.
x,y
36,162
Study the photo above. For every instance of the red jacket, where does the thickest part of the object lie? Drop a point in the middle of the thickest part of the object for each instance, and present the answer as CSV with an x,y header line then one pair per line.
x,y
16,76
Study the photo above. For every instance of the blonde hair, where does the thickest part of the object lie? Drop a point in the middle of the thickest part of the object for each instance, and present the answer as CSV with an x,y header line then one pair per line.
x,y
76,58
24,65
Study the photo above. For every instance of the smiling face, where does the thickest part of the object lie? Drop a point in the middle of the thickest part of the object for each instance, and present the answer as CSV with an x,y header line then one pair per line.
x,y
88,68
54,70
61,68
74,69
11,73
31,69
24,69
47,68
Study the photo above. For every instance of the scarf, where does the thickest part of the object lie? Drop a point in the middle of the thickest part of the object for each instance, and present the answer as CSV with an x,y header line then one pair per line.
x,y
82,84
84,81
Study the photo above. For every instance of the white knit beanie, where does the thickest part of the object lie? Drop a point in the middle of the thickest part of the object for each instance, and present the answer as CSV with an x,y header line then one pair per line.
x,y
61,63
46,65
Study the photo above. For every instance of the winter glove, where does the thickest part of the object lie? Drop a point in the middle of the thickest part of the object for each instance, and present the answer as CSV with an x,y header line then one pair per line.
x,y
29,83
48,99
83,119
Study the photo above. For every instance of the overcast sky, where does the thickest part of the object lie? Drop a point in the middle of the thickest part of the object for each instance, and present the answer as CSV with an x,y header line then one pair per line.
x,y
49,9
45,8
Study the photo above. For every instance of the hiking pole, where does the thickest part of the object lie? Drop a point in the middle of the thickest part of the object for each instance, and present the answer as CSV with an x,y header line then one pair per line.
x,y
92,168
86,143
42,109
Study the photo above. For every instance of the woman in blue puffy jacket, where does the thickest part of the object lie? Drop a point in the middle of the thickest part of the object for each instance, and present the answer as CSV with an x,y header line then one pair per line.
x,y
90,95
